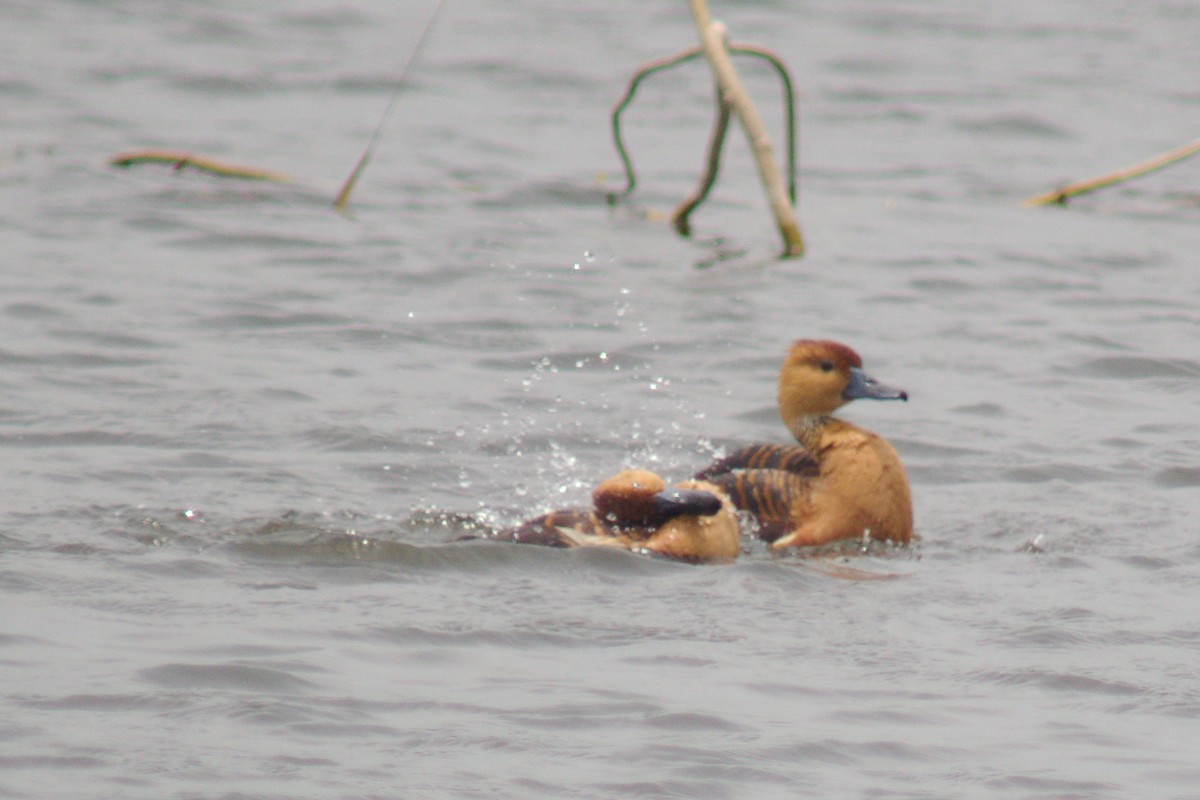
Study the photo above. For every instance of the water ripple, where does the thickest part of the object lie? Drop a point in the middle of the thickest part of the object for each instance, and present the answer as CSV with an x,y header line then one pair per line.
x,y
1139,367
234,677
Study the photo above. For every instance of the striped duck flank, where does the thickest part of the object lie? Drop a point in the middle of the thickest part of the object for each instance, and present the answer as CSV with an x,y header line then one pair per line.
x,y
635,510
840,481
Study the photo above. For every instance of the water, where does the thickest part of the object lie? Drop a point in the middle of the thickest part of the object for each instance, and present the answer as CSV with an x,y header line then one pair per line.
x,y
239,430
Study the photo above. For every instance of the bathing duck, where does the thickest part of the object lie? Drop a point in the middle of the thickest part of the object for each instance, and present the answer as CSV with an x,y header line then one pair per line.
x,y
636,510
841,481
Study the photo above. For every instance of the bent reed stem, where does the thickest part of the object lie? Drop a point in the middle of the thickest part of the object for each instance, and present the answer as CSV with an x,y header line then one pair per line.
x,y
715,141
790,112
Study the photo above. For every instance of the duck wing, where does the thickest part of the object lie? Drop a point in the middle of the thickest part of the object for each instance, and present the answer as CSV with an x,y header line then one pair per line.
x,y
788,458
768,494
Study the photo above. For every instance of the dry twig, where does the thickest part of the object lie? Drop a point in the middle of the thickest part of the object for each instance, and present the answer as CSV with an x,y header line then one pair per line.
x,y
1060,196
712,36
180,160
731,98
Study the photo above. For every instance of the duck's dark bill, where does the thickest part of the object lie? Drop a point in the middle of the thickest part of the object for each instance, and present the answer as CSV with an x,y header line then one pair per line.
x,y
863,387
674,503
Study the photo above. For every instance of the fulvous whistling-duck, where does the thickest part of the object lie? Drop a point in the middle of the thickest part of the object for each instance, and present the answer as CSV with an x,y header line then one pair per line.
x,y
841,482
636,510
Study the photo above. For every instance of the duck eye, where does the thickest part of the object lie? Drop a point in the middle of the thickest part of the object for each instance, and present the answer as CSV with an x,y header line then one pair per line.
x,y
826,365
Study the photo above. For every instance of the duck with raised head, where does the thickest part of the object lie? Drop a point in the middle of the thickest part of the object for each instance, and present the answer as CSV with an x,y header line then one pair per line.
x,y
636,510
841,481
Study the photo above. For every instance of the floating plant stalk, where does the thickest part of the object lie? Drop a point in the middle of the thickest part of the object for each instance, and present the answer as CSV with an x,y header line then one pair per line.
x,y
1061,195
180,161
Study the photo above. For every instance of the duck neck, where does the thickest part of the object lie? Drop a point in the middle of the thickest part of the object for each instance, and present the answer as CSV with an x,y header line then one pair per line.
x,y
808,430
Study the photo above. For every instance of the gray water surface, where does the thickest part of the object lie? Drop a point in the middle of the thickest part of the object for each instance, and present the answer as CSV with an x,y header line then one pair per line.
x,y
240,431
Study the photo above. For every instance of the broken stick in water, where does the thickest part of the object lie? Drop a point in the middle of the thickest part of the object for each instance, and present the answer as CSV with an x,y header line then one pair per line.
x,y
180,160
713,38
1062,195
727,103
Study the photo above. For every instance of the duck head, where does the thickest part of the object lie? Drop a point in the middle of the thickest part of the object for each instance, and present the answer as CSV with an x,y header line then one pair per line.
x,y
819,377
638,500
